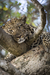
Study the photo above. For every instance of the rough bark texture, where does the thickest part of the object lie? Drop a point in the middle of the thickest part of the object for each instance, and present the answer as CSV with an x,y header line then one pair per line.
x,y
34,62
8,67
3,72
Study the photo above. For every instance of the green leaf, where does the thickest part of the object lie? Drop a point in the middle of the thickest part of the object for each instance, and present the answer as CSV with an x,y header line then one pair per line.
x,y
1,23
16,2
5,9
19,3
0,7
18,14
33,24
27,22
10,2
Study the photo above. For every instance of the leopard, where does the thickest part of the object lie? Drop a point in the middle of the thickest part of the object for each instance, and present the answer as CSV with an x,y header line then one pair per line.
x,y
20,32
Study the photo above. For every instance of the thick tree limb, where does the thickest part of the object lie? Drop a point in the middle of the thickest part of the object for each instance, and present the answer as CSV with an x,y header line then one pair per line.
x,y
42,17
8,67
34,62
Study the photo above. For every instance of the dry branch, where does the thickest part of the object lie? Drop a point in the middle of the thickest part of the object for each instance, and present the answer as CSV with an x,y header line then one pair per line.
x,y
8,67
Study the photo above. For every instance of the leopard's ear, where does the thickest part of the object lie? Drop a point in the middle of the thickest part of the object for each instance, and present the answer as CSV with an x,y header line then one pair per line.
x,y
23,18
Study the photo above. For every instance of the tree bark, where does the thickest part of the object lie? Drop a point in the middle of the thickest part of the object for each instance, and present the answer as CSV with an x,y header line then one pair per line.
x,y
34,62
9,68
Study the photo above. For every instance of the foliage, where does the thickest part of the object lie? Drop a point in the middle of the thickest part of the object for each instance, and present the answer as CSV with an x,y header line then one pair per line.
x,y
6,10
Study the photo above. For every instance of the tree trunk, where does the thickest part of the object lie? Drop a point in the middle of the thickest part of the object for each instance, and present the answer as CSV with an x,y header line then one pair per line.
x,y
34,62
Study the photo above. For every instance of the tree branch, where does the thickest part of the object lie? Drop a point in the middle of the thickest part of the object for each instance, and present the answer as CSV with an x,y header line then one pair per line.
x,y
42,17
8,67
